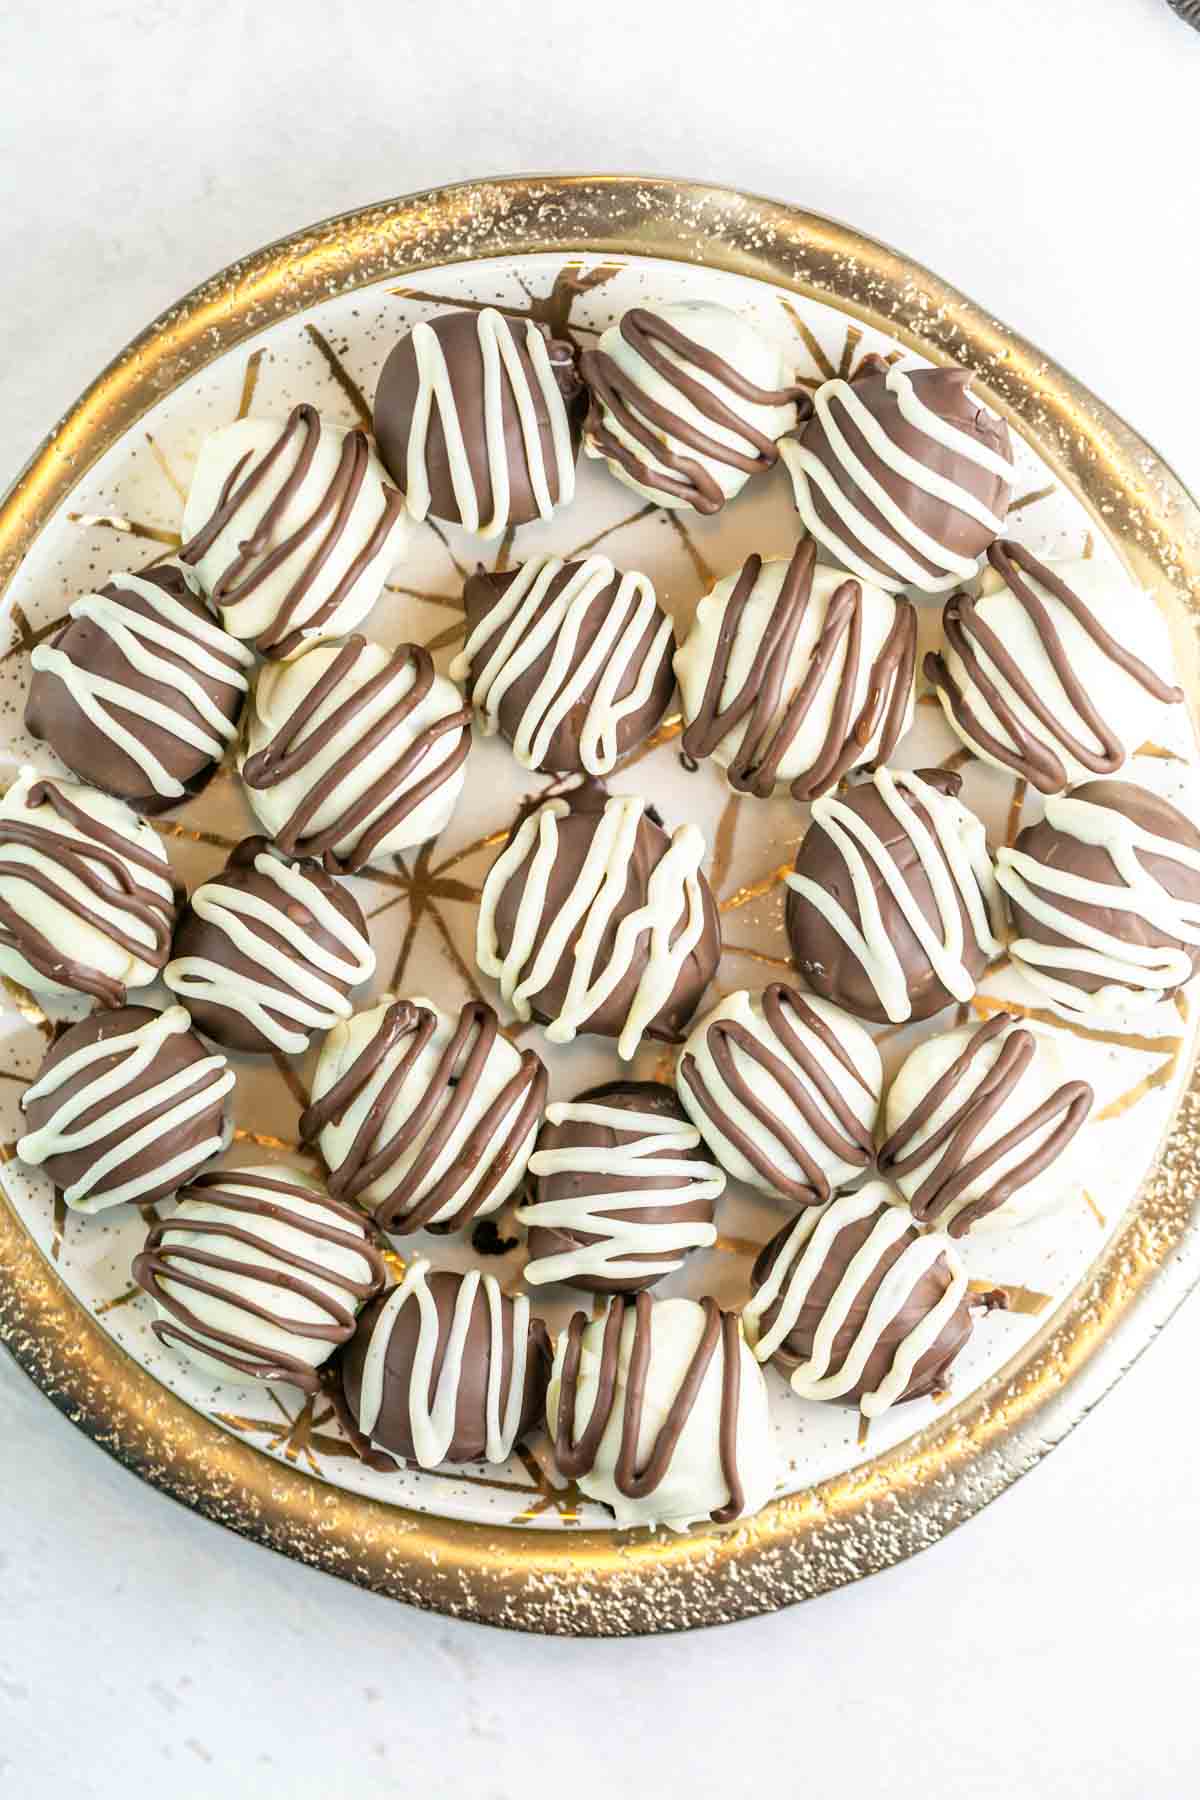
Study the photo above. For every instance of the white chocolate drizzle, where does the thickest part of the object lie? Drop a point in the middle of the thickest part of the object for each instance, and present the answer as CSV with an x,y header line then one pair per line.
x,y
432,1422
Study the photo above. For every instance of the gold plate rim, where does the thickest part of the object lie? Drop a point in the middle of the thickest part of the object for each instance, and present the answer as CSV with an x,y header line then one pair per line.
x,y
625,1583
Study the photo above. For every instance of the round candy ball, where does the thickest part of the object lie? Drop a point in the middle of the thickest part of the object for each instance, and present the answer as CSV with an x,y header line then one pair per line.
x,y
269,951
476,419
422,1379
127,1105
571,662
1104,893
620,1190
354,752
258,1275
140,691
893,910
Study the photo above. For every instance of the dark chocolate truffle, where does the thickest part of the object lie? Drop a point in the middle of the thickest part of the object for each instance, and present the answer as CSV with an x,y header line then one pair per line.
x,y
893,910
892,1326
128,1105
268,952
87,898
903,478
475,1406
1105,899
593,919
140,691
258,1275
475,417
570,661
620,1189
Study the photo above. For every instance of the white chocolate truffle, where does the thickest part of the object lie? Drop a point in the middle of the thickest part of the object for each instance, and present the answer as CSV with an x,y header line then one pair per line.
x,y
425,1119
793,675
980,1122
1039,674
291,529
688,401
87,901
258,1275
354,752
784,1088
714,1461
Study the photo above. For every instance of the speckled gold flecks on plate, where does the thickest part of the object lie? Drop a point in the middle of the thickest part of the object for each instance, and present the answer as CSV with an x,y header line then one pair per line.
x,y
581,1580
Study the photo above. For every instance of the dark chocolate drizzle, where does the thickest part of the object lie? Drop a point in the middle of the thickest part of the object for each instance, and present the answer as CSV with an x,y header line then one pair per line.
x,y
294,747
184,1266
407,1028
576,1456
956,1168
768,736
103,850
618,393
255,560
1029,755
852,1142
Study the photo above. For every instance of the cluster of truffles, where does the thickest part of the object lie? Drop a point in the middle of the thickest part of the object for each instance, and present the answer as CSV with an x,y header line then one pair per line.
x,y
797,677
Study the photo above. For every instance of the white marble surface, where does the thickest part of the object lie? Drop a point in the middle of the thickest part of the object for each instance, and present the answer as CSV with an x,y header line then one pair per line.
x,y
1043,158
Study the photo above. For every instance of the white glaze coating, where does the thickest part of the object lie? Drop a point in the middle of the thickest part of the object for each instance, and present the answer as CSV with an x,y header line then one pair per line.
x,y
806,468
432,1422
242,446
651,1145
200,644
502,366
515,645
125,1106
695,657
737,342
1134,975
282,687
694,1485
295,986
250,1286
349,1039
1041,1079
74,938
963,868
861,1097
673,894
1127,708
809,1242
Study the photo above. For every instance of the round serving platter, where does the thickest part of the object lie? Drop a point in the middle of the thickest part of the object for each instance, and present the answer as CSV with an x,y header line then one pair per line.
x,y
311,318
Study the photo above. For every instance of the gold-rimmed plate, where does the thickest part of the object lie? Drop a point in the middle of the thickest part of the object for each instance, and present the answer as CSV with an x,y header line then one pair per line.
x,y
311,318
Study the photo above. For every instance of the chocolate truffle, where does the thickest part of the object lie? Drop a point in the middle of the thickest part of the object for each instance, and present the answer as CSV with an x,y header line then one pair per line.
x,y
858,1305
268,952
979,1121
620,1189
354,752
422,1378
904,478
291,529
785,1091
793,675
127,1105
593,919
1035,675
1104,893
570,661
258,1275
140,692
893,910
475,417
658,1410
425,1119
87,899
687,401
